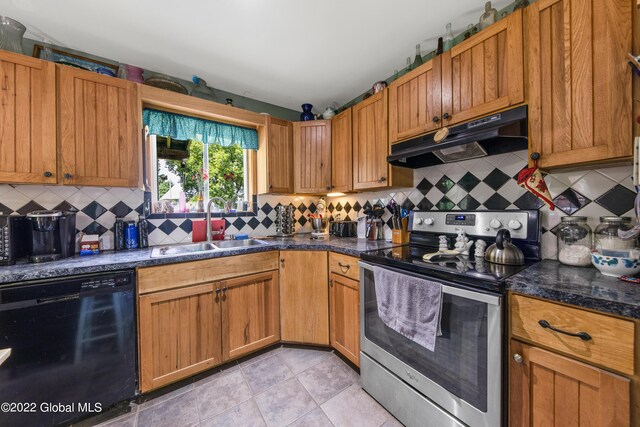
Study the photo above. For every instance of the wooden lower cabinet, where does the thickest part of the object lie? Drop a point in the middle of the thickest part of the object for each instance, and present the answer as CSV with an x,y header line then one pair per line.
x,y
250,314
179,334
304,297
344,303
547,389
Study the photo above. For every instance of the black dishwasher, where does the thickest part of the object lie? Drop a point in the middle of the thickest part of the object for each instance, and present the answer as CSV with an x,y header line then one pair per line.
x,y
73,347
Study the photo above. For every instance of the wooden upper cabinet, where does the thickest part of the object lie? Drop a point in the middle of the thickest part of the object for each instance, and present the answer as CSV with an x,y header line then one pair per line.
x,y
580,86
312,156
546,389
415,102
250,313
341,153
27,120
179,334
370,142
99,129
485,73
275,158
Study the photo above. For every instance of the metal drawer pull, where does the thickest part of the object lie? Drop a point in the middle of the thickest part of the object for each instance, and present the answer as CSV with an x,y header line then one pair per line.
x,y
517,358
582,335
344,267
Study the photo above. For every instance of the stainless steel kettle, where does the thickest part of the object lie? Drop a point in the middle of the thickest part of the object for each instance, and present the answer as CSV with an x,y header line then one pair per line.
x,y
503,251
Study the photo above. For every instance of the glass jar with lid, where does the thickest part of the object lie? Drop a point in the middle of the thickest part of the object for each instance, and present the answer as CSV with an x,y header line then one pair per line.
x,y
575,241
607,233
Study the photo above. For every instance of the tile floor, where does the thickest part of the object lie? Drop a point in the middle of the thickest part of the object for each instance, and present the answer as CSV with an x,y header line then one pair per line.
x,y
285,386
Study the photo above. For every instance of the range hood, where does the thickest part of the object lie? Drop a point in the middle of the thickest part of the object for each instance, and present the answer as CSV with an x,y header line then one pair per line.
x,y
495,134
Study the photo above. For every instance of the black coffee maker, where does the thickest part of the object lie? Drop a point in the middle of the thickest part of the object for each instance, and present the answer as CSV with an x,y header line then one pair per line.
x,y
53,235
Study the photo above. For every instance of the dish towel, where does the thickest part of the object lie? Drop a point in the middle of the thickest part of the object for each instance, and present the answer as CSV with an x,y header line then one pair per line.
x,y
409,305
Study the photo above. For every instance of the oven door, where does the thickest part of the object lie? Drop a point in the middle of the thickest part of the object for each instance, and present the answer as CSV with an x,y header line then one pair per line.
x,y
463,374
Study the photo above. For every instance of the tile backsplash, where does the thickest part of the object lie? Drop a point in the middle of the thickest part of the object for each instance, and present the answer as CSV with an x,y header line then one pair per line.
x,y
485,183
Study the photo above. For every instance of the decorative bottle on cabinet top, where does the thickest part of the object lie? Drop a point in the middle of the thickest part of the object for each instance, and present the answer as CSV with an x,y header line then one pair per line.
x,y
448,38
306,112
489,16
417,61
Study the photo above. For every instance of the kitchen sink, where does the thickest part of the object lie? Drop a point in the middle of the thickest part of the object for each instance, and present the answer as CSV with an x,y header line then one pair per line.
x,y
174,250
229,244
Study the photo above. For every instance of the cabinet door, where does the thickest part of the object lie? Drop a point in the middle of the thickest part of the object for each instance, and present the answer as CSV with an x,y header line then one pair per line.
x,y
250,314
99,129
312,156
275,158
415,102
27,120
179,334
304,297
370,142
344,319
551,390
485,73
341,153
580,93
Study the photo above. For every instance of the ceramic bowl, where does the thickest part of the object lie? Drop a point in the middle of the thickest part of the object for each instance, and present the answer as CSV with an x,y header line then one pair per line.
x,y
615,266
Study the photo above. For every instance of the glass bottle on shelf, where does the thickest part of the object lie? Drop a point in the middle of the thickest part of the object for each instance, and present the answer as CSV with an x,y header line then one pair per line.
x,y
575,241
607,237
417,61
11,34
489,16
448,38
408,67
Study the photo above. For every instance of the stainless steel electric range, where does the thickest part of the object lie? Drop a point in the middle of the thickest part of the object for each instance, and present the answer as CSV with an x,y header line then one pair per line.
x,y
460,382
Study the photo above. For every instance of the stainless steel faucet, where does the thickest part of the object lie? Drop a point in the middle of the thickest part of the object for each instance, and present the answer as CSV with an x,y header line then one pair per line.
x,y
225,205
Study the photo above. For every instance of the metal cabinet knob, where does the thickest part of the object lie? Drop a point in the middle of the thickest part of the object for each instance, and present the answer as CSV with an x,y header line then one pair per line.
x,y
446,116
436,119
68,176
47,174
517,358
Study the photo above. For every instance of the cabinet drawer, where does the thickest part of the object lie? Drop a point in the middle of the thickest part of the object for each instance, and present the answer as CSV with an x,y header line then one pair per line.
x,y
152,279
612,339
345,265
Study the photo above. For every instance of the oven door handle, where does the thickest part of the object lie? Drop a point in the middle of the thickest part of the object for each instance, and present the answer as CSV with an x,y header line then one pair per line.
x,y
447,287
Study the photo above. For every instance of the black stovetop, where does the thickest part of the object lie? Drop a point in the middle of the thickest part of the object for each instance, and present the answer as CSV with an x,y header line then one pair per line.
x,y
460,269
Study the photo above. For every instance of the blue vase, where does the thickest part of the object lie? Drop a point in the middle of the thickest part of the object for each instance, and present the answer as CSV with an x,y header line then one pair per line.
x,y
306,112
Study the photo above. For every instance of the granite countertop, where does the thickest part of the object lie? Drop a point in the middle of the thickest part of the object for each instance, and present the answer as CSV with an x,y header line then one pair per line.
x,y
583,287
110,261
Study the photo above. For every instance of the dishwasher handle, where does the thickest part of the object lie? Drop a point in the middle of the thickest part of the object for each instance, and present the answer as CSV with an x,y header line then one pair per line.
x,y
62,298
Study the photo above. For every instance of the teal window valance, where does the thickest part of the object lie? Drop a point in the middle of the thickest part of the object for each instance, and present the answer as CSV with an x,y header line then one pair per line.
x,y
182,127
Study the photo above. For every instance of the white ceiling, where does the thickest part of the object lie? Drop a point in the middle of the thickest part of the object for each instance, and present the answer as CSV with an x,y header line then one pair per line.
x,y
285,52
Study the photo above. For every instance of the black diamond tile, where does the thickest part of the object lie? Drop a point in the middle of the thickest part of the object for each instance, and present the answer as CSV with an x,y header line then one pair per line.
x,y
408,205
331,208
618,200
339,207
468,203
445,184
239,223
313,208
30,207
302,221
368,205
357,206
253,223
168,226
120,210
496,179
5,210
468,182
445,204
266,208
227,224
528,201
347,207
496,202
424,186
425,204
95,228
389,223
65,206
186,226
570,201
347,218
302,208
140,209
150,227
267,222
94,210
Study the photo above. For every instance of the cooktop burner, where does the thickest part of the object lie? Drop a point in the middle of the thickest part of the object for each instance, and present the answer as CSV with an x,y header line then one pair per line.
x,y
428,227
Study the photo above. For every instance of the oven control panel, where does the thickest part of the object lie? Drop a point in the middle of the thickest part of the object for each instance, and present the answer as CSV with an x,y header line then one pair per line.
x,y
478,223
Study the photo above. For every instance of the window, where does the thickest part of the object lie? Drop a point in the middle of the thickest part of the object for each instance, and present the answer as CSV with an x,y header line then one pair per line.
x,y
184,174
